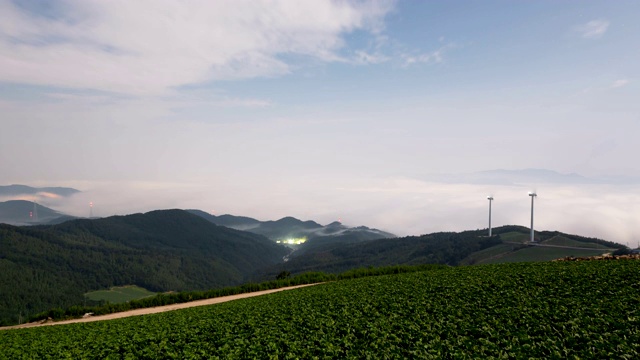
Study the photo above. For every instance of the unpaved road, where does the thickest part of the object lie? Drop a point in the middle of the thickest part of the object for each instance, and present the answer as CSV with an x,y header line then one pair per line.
x,y
157,309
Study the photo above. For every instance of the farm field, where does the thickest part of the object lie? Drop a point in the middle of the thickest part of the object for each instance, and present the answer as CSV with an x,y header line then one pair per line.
x,y
541,310
120,294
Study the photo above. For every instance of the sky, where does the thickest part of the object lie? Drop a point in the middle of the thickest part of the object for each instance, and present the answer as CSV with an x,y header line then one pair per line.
x,y
326,110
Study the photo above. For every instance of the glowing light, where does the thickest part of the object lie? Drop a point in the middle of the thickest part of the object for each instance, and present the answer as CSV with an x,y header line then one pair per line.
x,y
292,241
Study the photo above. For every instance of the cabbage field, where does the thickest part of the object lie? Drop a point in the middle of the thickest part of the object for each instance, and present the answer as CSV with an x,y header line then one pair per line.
x,y
548,310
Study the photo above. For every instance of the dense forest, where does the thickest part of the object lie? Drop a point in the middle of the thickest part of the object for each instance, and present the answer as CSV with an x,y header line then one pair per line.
x,y
53,266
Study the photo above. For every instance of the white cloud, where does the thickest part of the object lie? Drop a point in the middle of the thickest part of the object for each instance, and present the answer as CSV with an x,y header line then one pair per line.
x,y
433,57
363,57
149,47
619,83
593,29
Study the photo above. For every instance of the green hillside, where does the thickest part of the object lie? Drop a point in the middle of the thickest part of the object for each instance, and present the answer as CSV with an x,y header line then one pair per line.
x,y
509,244
438,248
119,294
45,267
553,310
515,246
20,212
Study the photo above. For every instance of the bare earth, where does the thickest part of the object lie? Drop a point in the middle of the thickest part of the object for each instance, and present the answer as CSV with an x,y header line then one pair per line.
x,y
155,310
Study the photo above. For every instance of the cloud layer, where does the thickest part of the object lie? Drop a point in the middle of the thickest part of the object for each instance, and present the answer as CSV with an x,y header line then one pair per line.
x,y
403,206
149,47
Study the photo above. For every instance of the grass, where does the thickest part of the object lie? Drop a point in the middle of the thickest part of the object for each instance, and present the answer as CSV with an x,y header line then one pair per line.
x,y
563,241
492,253
540,253
120,294
504,253
514,236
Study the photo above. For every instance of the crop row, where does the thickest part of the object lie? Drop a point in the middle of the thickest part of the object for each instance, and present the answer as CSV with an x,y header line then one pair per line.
x,y
540,310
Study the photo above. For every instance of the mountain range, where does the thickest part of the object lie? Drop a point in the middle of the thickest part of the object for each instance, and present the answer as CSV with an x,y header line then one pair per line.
x,y
292,231
17,190
42,267
22,212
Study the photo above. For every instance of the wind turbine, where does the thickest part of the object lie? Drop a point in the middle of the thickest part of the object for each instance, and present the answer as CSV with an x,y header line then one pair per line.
x,y
533,195
490,198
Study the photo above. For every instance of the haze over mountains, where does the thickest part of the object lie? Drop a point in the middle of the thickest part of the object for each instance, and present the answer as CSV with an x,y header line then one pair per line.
x,y
403,206
289,228
18,190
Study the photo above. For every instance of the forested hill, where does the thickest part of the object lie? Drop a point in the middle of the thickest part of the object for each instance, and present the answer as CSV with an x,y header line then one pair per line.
x,y
437,248
20,212
290,227
43,267
509,244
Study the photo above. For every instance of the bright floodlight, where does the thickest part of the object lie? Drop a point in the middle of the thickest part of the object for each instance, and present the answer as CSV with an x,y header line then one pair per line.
x,y
490,198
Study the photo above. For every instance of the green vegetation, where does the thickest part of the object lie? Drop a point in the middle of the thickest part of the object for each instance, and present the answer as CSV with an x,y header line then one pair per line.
x,y
515,247
540,253
493,254
119,294
282,280
463,248
46,267
527,310
51,267
515,236
564,241
438,248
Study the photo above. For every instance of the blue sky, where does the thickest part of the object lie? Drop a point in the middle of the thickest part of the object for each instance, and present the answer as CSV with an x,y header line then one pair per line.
x,y
325,110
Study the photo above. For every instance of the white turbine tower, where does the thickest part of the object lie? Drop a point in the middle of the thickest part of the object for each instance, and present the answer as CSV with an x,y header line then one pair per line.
x,y
490,198
533,195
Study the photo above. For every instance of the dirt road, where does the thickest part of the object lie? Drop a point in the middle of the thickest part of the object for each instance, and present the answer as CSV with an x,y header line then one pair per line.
x,y
155,310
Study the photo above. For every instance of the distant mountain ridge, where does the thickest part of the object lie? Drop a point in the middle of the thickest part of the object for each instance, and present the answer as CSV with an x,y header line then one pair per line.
x,y
290,228
16,189
23,199
21,212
